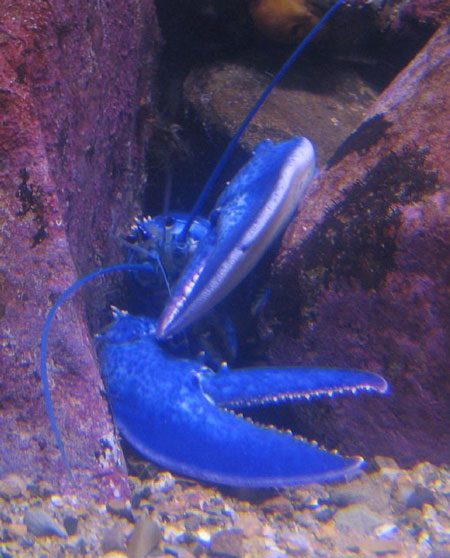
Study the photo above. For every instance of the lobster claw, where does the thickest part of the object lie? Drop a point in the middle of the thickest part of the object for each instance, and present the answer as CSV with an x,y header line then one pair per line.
x,y
251,212
177,413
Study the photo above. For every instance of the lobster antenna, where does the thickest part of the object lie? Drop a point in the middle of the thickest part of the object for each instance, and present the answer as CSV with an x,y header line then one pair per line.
x,y
231,147
64,297
163,273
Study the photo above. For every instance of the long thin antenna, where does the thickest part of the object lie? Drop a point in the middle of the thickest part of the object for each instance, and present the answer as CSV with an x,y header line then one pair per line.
x,y
243,127
65,296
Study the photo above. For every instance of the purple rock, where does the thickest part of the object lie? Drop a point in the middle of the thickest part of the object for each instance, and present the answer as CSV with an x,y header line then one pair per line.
x,y
72,80
366,267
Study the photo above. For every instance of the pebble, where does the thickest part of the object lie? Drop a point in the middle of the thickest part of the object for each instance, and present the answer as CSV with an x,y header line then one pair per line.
x,y
40,524
11,486
296,544
419,496
358,518
386,531
226,544
113,539
383,548
163,482
121,508
279,504
201,521
70,523
344,496
17,530
325,514
145,537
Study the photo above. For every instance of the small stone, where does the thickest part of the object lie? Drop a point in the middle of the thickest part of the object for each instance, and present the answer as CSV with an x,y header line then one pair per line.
x,y
163,482
279,504
17,530
70,523
226,544
27,542
345,495
42,489
296,544
325,514
179,552
384,462
113,539
57,500
121,508
11,486
386,531
358,519
192,523
40,524
420,496
383,548
250,525
144,538
114,554
402,491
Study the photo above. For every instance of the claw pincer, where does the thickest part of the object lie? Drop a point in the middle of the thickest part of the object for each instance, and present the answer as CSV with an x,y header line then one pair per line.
x,y
252,211
176,412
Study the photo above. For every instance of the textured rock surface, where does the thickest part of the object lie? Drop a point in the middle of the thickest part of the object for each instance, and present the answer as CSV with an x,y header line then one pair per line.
x,y
366,268
324,102
73,78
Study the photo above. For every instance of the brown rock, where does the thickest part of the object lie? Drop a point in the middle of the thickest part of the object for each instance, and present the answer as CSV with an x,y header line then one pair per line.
x,y
366,268
12,486
226,544
145,537
40,524
72,83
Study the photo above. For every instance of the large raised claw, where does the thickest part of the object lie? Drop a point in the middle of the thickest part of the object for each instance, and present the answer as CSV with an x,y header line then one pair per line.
x,y
174,411
253,209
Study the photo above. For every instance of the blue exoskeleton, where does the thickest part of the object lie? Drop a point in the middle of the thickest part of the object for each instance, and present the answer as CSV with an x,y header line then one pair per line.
x,y
175,410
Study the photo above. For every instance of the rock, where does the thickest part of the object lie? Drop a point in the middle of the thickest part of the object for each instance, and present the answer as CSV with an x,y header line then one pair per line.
x,y
360,280
421,495
11,486
278,505
358,519
386,531
40,524
382,548
121,508
17,530
113,539
226,544
216,96
145,537
70,523
325,514
296,544
74,80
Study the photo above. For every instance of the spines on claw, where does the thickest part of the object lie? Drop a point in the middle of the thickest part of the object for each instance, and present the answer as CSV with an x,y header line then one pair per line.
x,y
170,409
260,386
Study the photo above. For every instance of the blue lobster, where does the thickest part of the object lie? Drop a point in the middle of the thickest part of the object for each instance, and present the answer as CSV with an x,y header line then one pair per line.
x,y
177,411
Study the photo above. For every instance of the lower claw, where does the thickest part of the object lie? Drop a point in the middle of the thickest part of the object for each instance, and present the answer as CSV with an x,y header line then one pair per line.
x,y
172,411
